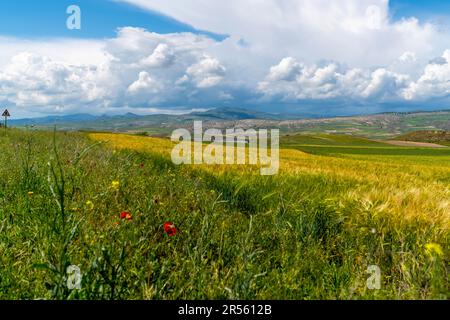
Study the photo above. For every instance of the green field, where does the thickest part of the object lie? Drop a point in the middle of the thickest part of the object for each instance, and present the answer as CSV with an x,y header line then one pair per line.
x,y
338,206
338,145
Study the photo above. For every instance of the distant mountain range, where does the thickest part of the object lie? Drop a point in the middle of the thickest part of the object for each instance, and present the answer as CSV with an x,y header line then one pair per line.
x,y
220,114
381,126
74,118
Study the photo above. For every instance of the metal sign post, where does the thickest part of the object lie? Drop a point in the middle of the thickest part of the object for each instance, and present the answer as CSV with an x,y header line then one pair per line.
x,y
6,115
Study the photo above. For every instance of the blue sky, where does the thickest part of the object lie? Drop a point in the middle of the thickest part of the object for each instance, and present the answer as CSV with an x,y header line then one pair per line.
x,y
425,9
295,56
101,18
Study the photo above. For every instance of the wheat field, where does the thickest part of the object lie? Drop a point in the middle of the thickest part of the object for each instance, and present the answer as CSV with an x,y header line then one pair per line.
x,y
139,227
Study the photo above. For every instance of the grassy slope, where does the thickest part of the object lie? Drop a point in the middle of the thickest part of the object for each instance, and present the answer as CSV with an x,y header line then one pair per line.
x,y
328,140
385,126
310,232
341,145
439,137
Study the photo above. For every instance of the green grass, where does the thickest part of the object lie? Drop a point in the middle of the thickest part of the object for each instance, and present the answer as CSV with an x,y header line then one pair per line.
x,y
328,140
388,151
336,145
239,236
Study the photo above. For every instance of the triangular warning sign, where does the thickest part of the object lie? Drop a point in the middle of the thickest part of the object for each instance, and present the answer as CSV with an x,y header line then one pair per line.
x,y
6,113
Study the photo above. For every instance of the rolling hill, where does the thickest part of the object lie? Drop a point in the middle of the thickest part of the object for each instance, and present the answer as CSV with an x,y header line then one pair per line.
x,y
379,126
431,136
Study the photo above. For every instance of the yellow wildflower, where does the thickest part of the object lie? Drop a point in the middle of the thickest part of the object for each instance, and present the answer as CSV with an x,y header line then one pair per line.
x,y
115,185
90,205
434,248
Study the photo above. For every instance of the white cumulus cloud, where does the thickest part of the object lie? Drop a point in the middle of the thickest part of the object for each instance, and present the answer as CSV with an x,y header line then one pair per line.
x,y
434,82
276,51
208,72
144,83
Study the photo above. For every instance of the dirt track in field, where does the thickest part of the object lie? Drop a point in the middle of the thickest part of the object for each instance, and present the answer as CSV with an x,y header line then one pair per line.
x,y
414,144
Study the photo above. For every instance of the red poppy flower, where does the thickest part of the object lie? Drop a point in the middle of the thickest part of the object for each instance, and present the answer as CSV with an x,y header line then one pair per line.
x,y
126,215
170,229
